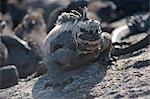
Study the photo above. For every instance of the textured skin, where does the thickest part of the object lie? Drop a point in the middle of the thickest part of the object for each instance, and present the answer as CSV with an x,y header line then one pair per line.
x,y
61,53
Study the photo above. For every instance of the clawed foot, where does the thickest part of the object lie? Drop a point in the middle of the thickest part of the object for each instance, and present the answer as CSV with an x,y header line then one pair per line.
x,y
58,82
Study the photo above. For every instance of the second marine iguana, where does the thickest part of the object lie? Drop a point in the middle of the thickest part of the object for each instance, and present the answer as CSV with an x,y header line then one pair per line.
x,y
135,24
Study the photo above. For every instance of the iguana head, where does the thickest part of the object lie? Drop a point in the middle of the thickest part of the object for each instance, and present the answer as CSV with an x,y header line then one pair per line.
x,y
87,37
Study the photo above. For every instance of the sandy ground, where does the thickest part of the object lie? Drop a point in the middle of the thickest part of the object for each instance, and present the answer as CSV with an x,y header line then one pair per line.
x,y
130,78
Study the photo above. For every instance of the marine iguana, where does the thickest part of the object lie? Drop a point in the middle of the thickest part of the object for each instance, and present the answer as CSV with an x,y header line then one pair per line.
x,y
74,42
135,24
32,29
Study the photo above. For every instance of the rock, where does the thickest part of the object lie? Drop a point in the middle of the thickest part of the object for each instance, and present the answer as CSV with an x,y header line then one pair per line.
x,y
8,76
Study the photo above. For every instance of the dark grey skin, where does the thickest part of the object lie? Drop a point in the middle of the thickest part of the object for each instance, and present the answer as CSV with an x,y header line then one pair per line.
x,y
62,54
